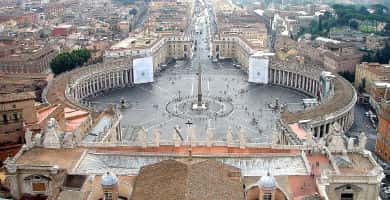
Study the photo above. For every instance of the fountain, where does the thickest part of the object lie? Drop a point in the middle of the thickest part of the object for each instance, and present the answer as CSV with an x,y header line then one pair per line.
x,y
123,103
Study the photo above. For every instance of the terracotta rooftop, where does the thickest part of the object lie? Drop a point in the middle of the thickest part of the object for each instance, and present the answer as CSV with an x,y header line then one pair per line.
x,y
300,132
44,112
318,163
64,158
301,186
183,179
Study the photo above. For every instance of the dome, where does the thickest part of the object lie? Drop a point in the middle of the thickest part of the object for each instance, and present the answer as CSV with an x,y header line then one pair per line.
x,y
267,182
109,179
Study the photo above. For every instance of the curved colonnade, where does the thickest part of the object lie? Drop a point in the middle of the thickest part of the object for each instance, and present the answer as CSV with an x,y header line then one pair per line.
x,y
89,81
338,107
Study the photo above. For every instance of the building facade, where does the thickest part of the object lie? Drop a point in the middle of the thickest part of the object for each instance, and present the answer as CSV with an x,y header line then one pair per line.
x,y
328,171
336,56
34,59
372,80
382,147
161,49
16,110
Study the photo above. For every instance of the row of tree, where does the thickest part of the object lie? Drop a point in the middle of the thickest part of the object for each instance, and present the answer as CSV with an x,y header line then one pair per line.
x,y
67,61
346,13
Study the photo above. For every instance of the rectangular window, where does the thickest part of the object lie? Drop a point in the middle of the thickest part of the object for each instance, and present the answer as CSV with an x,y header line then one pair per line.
x,y
15,116
38,187
346,196
267,196
107,196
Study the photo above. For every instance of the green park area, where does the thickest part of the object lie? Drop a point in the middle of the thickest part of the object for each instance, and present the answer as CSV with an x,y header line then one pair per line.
x,y
373,19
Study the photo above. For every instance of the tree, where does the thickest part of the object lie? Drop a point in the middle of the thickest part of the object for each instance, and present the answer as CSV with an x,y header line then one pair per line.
x,y
354,24
363,10
381,55
380,9
133,11
350,76
67,61
387,27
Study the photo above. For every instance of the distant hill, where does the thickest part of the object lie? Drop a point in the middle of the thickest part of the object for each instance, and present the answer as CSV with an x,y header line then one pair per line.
x,y
384,2
124,1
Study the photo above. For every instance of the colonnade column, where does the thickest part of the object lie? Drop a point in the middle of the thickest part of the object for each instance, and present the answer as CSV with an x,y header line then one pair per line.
x,y
274,81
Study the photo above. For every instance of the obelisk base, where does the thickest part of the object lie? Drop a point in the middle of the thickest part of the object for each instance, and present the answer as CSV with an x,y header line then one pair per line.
x,y
196,106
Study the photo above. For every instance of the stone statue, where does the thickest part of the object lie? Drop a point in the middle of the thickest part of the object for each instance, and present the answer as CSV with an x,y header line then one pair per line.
x,y
309,138
242,138
229,137
38,139
336,140
192,135
210,137
157,134
350,143
51,135
68,140
142,137
28,138
275,136
51,123
176,139
337,129
362,141
77,137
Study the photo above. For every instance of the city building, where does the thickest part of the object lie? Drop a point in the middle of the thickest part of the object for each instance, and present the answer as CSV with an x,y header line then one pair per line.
x,y
30,59
239,37
63,30
18,16
17,108
375,42
17,111
336,56
160,49
382,147
372,80
54,9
